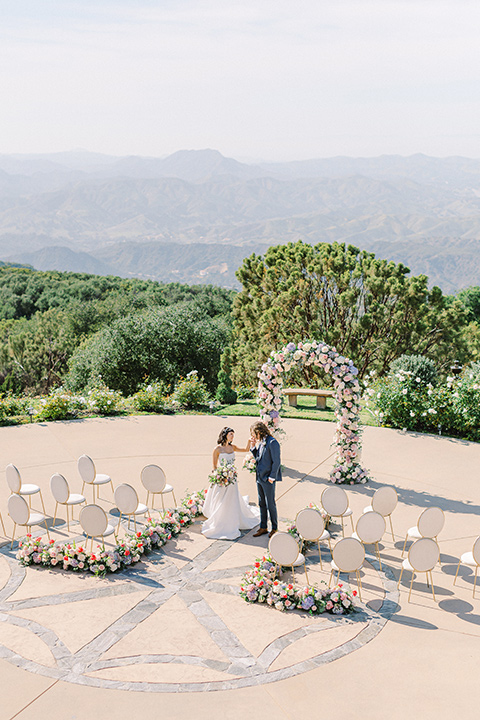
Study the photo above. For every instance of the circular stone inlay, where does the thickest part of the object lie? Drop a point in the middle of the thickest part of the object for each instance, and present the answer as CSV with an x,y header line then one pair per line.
x,y
172,625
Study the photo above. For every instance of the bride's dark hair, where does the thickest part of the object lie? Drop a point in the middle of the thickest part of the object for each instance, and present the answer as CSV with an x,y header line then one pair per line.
x,y
222,438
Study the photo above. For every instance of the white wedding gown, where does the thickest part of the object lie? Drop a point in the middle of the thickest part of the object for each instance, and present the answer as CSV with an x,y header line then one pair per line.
x,y
227,511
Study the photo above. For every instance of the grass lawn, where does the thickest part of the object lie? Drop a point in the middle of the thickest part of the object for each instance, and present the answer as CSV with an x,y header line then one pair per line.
x,y
306,409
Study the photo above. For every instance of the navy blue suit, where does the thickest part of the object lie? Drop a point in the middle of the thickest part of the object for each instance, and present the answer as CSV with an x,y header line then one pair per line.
x,y
268,466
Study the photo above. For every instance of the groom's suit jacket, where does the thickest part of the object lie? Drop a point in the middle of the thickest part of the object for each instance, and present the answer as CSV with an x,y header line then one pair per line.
x,y
268,460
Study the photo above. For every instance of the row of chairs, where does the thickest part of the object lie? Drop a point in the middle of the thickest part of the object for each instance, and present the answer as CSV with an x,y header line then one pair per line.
x,y
348,554
152,477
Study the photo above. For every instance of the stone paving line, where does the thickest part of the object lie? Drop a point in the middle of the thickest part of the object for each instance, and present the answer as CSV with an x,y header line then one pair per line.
x,y
187,583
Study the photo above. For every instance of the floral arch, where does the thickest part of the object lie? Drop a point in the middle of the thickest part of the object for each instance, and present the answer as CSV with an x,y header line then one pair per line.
x,y
347,469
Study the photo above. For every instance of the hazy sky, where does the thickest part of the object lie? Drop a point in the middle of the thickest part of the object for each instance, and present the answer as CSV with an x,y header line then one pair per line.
x,y
254,78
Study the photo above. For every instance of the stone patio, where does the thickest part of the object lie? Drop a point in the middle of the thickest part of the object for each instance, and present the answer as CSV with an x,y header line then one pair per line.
x,y
172,636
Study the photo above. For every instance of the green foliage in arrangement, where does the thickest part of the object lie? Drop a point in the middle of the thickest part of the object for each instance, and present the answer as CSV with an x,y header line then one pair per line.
x,y
402,400
162,344
371,310
191,392
418,366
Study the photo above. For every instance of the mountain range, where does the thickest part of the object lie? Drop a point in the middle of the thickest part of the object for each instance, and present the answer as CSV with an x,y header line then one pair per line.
x,y
194,215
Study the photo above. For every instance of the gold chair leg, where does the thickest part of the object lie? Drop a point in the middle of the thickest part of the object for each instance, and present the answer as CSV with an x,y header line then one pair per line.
x,y
306,574
163,504
13,536
135,522
391,527
411,583
46,528
43,504
458,568
3,525
113,489
433,589
55,514
174,498
404,544
68,522
148,495
343,529
475,581
378,555
29,501
351,523
119,521
359,585
400,578
330,578
320,555
83,486
439,553
293,573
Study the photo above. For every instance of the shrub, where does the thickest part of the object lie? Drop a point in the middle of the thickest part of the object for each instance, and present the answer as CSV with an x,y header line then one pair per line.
x,y
225,394
104,401
13,405
246,393
191,392
61,405
151,398
419,367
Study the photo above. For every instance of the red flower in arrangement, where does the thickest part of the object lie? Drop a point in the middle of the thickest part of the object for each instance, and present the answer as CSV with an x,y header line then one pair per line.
x,y
80,549
139,534
39,539
51,542
127,552
340,584
290,587
65,558
354,593
257,564
29,535
260,583
93,558
20,544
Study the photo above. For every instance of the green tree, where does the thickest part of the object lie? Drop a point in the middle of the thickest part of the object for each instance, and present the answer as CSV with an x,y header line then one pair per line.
x,y
371,310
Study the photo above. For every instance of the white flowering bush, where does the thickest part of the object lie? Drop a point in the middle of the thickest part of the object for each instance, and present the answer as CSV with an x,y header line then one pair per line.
x,y
103,401
152,397
191,392
61,405
347,468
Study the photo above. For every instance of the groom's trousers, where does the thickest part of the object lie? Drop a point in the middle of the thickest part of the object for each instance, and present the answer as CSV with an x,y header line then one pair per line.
x,y
266,502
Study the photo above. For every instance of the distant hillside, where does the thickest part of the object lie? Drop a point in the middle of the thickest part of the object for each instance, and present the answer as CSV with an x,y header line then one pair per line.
x,y
86,211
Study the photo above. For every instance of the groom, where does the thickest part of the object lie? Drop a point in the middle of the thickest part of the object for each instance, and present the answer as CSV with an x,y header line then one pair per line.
x,y
266,451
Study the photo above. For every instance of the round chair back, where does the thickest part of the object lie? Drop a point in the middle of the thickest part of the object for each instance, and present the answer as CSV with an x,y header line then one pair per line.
x,y
86,468
476,551
18,509
153,478
348,554
283,548
310,524
13,478
423,554
430,522
93,520
59,488
334,501
126,499
385,500
370,527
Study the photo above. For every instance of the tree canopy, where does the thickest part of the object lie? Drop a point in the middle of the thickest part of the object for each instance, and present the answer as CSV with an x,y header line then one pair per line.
x,y
370,309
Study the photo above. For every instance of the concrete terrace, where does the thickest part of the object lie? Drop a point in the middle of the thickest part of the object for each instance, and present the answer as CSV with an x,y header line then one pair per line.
x,y
173,638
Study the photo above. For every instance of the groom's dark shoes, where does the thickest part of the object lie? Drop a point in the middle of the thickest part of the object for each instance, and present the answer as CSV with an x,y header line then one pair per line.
x,y
271,533
260,531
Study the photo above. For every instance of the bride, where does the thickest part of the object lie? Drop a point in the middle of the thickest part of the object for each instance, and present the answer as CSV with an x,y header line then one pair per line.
x,y
227,511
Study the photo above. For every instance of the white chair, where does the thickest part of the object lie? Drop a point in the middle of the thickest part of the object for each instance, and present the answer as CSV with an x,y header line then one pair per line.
x,y
126,500
473,560
154,481
422,557
21,514
94,522
62,496
384,501
89,475
311,526
284,551
335,503
15,484
429,524
348,557
370,530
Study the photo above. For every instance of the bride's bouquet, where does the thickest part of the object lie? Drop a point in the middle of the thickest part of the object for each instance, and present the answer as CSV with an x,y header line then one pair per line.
x,y
224,474
249,463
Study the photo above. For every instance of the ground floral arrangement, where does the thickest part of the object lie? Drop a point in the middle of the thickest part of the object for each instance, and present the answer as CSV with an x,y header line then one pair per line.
x,y
75,557
261,584
347,469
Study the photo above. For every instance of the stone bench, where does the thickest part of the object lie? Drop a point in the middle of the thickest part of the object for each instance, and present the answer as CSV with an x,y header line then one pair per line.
x,y
321,395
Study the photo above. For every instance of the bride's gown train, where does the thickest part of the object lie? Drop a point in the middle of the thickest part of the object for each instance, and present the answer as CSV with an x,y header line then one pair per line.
x,y
227,511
